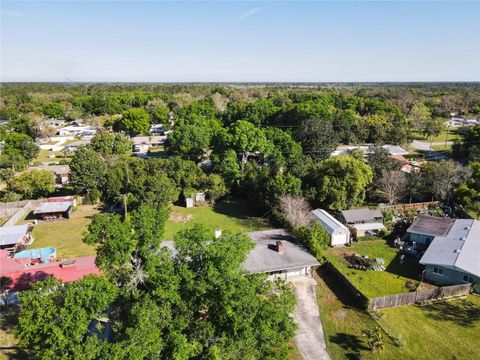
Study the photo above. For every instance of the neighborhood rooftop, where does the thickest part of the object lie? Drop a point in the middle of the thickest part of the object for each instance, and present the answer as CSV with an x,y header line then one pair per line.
x,y
265,258
431,225
361,215
53,207
328,221
12,234
459,248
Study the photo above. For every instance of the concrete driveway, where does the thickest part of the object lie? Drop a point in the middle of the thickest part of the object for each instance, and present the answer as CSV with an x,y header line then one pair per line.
x,y
309,339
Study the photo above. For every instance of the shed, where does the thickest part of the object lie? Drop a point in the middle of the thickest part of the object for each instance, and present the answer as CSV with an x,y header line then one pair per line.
x,y
13,235
54,210
361,216
339,233
362,230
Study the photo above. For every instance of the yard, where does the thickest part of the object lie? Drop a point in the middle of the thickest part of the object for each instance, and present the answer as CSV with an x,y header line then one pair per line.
x,y
43,156
437,331
66,235
226,215
376,283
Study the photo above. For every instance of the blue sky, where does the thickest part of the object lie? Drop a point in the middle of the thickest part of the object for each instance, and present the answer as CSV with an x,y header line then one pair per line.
x,y
240,41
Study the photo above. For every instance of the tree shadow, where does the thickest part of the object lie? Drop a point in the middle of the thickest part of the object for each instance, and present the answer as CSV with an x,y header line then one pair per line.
x,y
340,292
25,280
349,342
410,268
8,322
461,312
236,209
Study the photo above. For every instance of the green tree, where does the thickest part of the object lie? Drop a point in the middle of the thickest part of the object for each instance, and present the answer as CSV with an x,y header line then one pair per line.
x,y
107,143
315,238
228,167
379,160
317,137
53,110
20,144
134,121
160,114
54,319
189,141
339,182
87,170
419,116
33,184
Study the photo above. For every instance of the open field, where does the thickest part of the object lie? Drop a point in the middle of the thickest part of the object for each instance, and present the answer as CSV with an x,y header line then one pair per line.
x,y
451,136
375,283
436,331
66,235
232,215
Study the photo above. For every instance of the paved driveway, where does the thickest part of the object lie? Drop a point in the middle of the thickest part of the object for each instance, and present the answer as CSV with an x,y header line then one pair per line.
x,y
309,339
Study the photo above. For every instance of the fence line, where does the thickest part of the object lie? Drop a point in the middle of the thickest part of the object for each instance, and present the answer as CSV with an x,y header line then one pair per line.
x,y
407,207
419,296
20,212
360,299
13,204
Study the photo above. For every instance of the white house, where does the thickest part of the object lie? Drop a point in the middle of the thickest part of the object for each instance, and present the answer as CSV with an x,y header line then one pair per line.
x,y
77,131
339,233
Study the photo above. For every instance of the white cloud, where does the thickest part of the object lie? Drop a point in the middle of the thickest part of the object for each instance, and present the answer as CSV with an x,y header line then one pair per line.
x,y
13,13
249,13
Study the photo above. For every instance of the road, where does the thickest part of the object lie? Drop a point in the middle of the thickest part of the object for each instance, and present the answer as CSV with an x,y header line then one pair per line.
x,y
310,339
431,154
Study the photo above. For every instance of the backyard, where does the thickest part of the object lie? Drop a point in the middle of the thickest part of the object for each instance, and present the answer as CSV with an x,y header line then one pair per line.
x,y
436,331
66,235
376,283
226,215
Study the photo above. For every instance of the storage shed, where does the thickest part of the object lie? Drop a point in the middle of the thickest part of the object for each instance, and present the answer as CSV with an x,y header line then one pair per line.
x,y
54,210
339,233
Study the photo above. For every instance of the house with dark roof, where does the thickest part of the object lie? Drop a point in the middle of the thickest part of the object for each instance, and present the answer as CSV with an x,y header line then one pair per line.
x,y
339,233
453,255
425,227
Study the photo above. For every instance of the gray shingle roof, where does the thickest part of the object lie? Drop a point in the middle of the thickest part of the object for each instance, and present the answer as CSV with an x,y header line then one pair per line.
x,y
361,215
459,249
431,225
264,257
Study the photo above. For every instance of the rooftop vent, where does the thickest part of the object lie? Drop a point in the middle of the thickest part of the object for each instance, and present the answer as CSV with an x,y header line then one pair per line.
x,y
456,251
463,238
467,228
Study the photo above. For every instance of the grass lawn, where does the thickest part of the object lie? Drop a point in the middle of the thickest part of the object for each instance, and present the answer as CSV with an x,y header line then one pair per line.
x,y
66,235
375,283
452,135
436,331
43,156
444,330
226,215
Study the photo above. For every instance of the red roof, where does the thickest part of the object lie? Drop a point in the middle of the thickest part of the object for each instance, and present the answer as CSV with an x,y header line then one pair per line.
x,y
22,275
61,199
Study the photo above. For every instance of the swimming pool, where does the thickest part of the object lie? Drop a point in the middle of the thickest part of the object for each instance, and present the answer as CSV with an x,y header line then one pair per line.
x,y
44,254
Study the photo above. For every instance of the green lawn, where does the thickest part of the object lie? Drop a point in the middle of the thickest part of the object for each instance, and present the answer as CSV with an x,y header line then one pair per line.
x,y
43,156
436,331
375,283
66,235
444,330
231,215
452,135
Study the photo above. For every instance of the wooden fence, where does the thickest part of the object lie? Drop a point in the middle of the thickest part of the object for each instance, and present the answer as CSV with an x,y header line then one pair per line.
x,y
20,212
407,207
419,296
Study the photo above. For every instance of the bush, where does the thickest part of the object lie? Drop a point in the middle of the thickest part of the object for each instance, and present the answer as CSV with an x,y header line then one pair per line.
x,y
92,197
315,238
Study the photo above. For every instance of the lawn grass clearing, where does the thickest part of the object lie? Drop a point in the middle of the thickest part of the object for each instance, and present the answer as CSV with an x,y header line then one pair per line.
x,y
436,331
376,283
451,136
66,235
43,156
443,330
232,215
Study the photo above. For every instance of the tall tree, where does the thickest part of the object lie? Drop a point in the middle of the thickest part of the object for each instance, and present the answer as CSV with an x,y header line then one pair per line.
x,y
317,137
134,121
33,184
87,170
392,184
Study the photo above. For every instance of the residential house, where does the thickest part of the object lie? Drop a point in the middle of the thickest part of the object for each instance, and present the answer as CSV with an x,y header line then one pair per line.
x,y
14,236
339,233
143,144
77,131
392,149
55,123
75,145
363,221
276,253
453,252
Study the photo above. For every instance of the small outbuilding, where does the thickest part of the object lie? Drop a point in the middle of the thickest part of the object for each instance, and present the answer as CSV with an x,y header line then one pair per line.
x,y
50,211
364,221
12,236
339,233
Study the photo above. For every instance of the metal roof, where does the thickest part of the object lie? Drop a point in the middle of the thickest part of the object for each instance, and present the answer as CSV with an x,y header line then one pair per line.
x,y
53,207
328,221
459,249
10,235
369,226
431,225
361,215
265,258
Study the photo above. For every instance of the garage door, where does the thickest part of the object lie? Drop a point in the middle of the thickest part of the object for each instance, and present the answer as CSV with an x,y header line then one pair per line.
x,y
339,239
295,272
